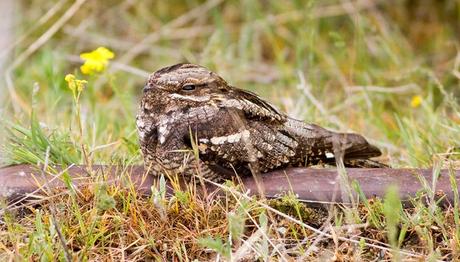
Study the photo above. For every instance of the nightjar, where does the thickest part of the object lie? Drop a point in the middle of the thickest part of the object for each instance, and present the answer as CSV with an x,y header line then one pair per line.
x,y
191,121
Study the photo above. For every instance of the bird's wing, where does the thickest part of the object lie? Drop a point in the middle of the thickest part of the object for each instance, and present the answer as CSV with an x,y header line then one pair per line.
x,y
252,105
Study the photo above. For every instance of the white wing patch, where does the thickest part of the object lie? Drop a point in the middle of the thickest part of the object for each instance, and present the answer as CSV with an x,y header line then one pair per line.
x,y
233,138
329,155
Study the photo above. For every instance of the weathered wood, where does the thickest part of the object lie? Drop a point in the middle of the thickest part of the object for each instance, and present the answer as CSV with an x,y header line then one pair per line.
x,y
316,185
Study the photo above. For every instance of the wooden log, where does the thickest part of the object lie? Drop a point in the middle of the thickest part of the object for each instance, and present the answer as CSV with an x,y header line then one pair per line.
x,y
20,182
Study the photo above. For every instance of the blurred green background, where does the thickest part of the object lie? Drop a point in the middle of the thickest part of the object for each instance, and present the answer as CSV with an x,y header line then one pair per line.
x,y
387,69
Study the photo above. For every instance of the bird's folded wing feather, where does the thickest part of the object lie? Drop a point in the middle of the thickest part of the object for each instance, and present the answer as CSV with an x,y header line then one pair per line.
x,y
252,106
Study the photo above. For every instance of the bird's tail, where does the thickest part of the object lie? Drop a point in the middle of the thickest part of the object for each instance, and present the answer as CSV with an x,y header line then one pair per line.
x,y
328,146
356,151
355,146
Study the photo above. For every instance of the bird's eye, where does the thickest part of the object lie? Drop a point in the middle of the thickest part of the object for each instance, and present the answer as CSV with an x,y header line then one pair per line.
x,y
189,87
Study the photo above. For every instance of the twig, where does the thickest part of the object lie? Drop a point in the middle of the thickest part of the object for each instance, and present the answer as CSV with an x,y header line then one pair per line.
x,y
34,47
68,257
318,12
381,89
165,29
120,66
176,34
43,19
306,89
245,250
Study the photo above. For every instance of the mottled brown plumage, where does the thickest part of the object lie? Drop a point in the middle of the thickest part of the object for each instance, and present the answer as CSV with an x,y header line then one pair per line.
x,y
191,121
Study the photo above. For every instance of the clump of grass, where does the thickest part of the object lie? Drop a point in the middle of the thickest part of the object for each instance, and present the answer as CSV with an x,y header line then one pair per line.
x,y
29,145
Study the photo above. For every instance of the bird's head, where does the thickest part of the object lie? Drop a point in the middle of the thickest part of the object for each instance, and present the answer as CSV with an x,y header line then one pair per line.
x,y
185,83
177,88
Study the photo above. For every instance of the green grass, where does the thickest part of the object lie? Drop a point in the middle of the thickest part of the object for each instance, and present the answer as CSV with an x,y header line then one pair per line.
x,y
346,67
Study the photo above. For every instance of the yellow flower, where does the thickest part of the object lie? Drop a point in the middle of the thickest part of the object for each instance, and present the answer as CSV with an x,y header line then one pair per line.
x,y
96,61
416,101
75,84
69,78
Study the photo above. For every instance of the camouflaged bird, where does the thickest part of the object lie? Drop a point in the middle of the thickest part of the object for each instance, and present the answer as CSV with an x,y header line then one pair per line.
x,y
191,121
